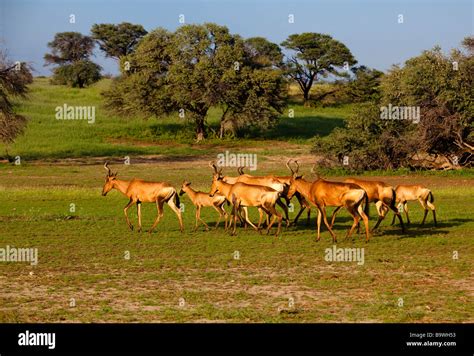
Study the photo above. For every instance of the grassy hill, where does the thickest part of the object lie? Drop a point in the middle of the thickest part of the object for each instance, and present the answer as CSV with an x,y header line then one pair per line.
x,y
48,138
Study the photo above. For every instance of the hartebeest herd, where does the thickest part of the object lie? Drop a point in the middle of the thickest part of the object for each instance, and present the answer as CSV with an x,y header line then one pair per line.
x,y
267,192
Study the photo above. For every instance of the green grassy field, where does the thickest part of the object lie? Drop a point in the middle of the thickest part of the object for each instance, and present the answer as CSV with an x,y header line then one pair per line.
x,y
48,138
91,268
82,256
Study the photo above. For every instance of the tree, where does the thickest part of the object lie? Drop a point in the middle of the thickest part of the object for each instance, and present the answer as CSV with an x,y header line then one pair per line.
x,y
118,40
190,71
256,93
261,53
71,52
441,86
365,86
315,55
14,78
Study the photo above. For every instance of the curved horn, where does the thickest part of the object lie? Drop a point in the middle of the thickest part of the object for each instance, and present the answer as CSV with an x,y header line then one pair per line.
x,y
212,164
289,167
106,167
297,167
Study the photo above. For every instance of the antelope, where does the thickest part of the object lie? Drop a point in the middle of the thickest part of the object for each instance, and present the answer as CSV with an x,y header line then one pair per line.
x,y
380,193
303,203
265,181
243,195
323,193
406,193
201,199
140,191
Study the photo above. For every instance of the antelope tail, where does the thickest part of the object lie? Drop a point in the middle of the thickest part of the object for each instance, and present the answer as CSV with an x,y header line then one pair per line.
x,y
393,203
367,205
431,197
176,200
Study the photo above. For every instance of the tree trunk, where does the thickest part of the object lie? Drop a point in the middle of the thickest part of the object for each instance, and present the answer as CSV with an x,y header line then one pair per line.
x,y
200,129
222,128
306,96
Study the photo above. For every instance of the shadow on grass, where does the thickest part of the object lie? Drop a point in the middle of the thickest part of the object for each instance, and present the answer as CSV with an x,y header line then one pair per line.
x,y
303,127
413,230
416,229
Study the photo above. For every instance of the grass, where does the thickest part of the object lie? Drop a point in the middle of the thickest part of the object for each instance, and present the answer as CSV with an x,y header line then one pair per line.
x,y
93,269
48,138
82,258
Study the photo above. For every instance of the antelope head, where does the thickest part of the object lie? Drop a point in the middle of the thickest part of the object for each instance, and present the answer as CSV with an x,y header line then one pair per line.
x,y
217,171
216,183
109,179
295,179
184,187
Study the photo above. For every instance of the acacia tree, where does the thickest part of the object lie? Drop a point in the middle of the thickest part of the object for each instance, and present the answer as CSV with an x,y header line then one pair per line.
x,y
14,78
71,52
190,71
117,40
315,55
255,94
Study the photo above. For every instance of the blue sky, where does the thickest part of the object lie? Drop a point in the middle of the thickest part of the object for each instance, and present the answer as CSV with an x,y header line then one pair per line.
x,y
369,28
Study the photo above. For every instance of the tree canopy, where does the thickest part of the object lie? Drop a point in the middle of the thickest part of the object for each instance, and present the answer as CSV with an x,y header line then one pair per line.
x,y
14,78
441,87
315,55
71,52
117,40
193,69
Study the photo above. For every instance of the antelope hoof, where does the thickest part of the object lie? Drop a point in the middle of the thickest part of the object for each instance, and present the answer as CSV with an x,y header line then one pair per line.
x,y
131,227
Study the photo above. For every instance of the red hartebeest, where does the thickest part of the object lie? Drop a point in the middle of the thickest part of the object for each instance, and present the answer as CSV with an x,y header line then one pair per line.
x,y
139,191
264,181
410,192
201,199
380,193
323,193
243,195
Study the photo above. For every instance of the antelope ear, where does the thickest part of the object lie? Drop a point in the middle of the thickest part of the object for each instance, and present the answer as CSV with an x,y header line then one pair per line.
x,y
188,183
